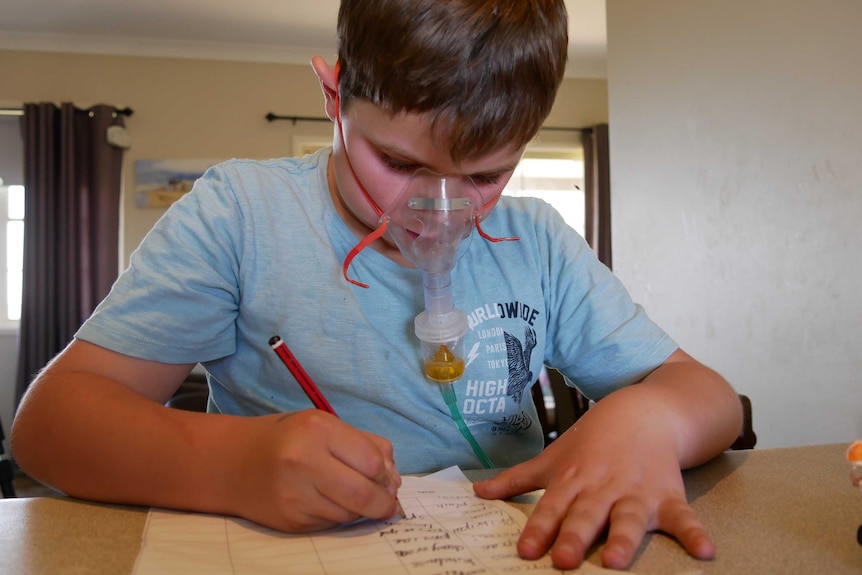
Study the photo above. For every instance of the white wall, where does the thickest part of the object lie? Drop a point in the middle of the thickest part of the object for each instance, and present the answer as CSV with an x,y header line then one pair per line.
x,y
8,359
736,134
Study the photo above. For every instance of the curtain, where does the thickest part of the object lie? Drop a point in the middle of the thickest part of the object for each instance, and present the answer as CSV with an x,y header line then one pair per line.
x,y
597,192
72,180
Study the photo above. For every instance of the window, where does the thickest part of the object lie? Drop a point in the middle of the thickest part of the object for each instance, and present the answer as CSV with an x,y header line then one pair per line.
x,y
11,252
556,176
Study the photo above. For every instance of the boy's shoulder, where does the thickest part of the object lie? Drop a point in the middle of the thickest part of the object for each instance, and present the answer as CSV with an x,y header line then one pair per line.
x,y
254,183
289,163
534,210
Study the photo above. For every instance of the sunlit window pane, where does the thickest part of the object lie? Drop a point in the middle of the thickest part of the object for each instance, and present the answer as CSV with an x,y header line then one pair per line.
x,y
15,245
557,181
12,251
16,202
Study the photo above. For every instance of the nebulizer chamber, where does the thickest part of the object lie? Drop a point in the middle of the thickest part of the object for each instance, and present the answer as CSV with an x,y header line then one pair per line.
x,y
440,329
429,221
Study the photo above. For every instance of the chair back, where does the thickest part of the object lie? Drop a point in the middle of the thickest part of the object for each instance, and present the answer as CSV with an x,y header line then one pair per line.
x,y
192,395
7,488
747,438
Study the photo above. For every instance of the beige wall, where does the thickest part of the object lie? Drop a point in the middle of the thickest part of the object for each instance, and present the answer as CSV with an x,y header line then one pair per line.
x,y
209,109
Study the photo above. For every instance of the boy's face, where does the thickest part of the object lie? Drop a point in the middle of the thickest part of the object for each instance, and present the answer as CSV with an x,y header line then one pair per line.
x,y
385,151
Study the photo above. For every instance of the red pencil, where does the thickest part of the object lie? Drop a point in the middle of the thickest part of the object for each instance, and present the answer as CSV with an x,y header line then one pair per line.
x,y
307,384
300,374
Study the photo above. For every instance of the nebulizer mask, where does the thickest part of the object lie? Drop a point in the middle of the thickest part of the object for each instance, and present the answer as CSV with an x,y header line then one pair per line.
x,y
428,222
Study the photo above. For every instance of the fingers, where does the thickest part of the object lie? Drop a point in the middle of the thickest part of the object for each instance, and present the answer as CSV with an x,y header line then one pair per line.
x,y
371,456
516,480
555,521
321,472
358,494
629,523
576,509
628,520
322,515
389,475
368,454
361,476
677,519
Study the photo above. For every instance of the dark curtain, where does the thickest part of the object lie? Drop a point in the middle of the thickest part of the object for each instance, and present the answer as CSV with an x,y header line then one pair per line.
x,y
597,192
72,179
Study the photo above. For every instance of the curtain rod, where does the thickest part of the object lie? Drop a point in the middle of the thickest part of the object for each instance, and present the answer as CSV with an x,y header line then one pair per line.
x,y
271,117
20,112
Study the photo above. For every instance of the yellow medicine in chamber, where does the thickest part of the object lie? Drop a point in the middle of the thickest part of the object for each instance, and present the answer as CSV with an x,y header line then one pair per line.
x,y
443,366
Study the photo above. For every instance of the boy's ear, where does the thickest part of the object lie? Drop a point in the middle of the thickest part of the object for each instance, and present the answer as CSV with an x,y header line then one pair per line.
x,y
328,85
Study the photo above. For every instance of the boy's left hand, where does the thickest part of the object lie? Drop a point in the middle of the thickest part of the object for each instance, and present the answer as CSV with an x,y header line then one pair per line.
x,y
607,471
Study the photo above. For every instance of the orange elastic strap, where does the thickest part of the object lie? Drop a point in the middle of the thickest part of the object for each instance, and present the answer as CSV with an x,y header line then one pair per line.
x,y
366,241
492,238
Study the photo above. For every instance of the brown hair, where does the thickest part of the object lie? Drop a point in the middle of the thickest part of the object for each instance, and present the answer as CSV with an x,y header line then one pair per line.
x,y
486,70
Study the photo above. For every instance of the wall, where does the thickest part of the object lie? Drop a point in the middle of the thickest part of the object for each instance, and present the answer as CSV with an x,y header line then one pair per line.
x,y
8,361
737,196
11,152
202,109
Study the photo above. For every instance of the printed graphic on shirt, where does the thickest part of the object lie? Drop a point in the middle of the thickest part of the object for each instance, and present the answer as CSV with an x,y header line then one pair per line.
x,y
502,353
518,359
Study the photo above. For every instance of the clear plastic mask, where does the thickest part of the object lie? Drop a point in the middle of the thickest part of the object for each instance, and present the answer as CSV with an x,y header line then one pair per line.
x,y
431,217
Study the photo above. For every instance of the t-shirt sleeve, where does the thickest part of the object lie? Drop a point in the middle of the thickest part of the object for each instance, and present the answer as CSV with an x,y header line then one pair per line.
x,y
177,301
598,338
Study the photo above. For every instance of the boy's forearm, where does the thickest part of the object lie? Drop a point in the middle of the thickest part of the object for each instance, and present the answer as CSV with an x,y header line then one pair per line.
x,y
681,403
703,410
96,439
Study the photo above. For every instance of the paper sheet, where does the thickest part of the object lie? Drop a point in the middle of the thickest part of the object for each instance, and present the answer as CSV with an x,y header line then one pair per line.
x,y
448,531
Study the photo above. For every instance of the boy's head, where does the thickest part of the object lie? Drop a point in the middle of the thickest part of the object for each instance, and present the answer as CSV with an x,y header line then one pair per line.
x,y
487,71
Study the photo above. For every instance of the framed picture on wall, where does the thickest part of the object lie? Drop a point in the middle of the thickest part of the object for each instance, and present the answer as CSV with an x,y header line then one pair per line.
x,y
304,145
159,183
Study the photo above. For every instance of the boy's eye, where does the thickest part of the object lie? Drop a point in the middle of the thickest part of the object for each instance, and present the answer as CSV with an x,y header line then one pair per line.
x,y
486,179
397,166
409,168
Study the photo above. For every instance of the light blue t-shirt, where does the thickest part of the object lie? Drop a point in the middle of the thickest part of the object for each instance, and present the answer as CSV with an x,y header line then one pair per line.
x,y
256,250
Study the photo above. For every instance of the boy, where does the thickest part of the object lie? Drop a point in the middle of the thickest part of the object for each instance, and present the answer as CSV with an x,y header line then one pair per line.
x,y
452,90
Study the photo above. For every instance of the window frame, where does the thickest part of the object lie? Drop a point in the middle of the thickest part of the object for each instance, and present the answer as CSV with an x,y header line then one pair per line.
x,y
6,325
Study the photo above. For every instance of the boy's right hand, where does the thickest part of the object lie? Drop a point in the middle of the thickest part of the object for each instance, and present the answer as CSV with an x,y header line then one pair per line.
x,y
119,443
309,470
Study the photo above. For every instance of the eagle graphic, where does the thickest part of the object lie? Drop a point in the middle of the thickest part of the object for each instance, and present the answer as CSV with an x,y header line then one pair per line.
x,y
518,358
